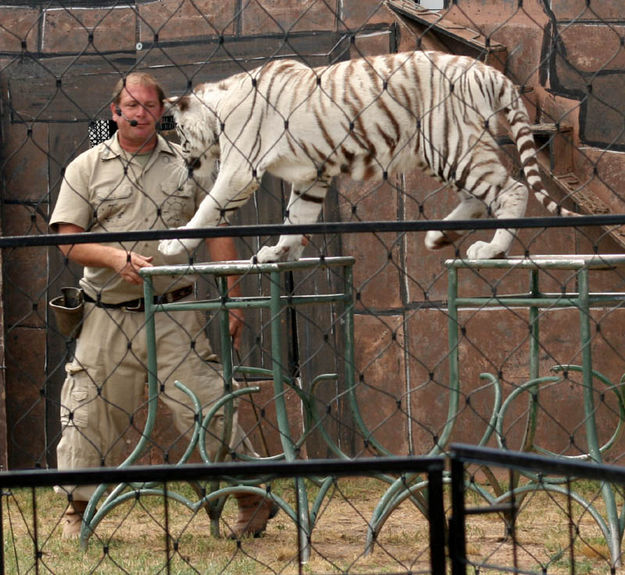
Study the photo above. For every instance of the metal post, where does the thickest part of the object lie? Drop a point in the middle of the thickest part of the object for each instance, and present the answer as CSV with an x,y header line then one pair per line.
x,y
292,334
594,449
436,518
2,494
587,380
226,361
457,527
350,360
275,311
454,372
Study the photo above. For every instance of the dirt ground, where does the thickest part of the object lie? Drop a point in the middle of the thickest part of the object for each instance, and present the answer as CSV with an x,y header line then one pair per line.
x,y
546,539
145,536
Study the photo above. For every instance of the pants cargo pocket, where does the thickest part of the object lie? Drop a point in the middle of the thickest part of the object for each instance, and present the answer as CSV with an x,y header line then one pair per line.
x,y
79,446
77,398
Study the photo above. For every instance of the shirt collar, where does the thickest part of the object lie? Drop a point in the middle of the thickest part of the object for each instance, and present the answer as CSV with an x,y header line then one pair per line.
x,y
113,149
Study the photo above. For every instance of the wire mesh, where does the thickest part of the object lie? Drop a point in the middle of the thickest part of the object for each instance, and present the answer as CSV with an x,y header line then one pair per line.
x,y
494,370
550,524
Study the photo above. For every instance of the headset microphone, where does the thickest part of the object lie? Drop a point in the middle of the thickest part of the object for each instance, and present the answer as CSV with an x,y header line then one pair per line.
x,y
133,123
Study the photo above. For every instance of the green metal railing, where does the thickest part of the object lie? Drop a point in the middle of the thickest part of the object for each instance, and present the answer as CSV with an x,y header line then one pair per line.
x,y
411,486
583,300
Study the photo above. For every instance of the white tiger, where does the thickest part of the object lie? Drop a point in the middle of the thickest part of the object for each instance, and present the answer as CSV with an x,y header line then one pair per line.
x,y
368,118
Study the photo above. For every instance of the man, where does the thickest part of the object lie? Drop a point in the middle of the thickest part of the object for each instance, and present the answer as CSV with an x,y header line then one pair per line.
x,y
135,180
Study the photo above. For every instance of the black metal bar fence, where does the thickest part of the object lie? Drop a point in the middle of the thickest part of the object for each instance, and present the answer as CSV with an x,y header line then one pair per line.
x,y
551,483
171,549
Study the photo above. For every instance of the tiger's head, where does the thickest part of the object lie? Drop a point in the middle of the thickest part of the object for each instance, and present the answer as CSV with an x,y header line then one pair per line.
x,y
197,126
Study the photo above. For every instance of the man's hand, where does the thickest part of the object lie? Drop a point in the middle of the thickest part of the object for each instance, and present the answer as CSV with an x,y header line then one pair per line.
x,y
236,327
126,264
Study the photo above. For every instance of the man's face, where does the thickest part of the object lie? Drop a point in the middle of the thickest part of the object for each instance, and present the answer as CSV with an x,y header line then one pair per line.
x,y
138,104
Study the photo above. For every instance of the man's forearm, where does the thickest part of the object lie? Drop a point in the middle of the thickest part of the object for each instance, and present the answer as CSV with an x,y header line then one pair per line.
x,y
223,250
126,264
94,255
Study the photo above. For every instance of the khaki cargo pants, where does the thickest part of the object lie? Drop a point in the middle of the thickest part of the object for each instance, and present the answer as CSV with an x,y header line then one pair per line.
x,y
106,381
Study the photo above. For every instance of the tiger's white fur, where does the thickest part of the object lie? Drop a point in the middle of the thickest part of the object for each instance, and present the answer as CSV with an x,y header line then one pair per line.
x,y
368,118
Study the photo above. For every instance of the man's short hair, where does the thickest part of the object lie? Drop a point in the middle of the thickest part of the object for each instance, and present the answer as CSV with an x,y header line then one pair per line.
x,y
143,79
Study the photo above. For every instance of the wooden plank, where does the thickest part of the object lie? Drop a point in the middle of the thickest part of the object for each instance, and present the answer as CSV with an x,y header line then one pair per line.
x,y
433,21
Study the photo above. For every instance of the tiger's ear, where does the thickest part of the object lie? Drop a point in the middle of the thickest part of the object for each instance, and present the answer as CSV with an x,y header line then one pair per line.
x,y
169,104
177,104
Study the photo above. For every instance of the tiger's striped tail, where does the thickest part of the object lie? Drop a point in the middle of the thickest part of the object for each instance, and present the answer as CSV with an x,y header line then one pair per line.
x,y
518,118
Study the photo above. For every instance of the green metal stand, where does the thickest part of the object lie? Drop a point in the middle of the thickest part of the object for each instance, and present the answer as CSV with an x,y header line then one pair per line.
x,y
413,486
277,303
583,300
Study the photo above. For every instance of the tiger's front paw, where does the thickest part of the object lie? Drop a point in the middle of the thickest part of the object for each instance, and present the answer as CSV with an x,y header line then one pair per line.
x,y
288,249
176,247
484,251
271,254
435,240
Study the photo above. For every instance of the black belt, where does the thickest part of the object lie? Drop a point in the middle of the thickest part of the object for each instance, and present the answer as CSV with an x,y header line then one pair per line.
x,y
139,303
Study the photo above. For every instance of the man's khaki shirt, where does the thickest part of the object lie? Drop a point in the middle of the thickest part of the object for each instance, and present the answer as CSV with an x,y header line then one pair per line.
x,y
105,189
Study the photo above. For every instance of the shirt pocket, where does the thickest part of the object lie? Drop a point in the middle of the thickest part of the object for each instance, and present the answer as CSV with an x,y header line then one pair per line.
x,y
178,205
112,206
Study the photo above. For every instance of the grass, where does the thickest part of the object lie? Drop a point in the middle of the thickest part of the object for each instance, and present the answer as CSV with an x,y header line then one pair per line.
x,y
132,538
139,537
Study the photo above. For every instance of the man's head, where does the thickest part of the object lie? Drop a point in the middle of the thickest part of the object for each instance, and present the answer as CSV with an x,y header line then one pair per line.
x,y
136,107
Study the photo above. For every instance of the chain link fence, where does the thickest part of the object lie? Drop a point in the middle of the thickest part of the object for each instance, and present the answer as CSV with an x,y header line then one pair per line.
x,y
553,521
395,351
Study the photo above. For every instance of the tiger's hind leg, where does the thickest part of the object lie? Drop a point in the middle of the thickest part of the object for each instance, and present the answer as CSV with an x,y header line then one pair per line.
x,y
304,208
511,202
469,208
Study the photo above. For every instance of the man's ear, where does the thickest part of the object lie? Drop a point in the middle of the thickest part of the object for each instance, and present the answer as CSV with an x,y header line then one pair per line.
x,y
114,109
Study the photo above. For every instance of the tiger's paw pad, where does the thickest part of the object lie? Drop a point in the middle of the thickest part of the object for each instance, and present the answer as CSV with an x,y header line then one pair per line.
x,y
484,251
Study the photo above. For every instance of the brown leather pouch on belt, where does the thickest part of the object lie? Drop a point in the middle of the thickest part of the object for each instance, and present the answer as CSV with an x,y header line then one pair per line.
x,y
68,310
